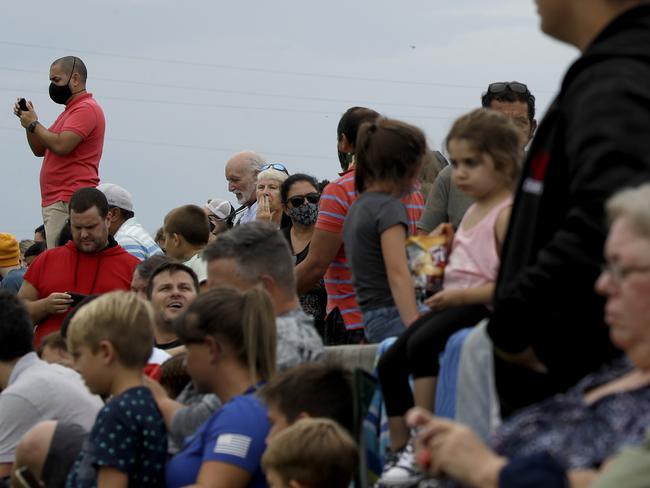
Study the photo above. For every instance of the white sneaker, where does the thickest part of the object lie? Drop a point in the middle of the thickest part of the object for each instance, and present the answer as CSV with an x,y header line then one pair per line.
x,y
401,471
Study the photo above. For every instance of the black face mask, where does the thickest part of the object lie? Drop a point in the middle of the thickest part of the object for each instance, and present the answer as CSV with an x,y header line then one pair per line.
x,y
62,93
345,159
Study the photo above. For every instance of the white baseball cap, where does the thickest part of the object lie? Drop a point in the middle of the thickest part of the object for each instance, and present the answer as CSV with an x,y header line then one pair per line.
x,y
220,207
117,196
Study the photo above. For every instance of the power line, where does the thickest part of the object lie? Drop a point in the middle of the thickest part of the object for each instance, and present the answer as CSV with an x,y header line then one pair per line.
x,y
245,68
230,106
194,146
251,93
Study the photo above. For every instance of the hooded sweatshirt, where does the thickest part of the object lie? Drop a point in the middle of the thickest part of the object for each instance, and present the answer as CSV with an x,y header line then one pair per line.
x,y
594,140
65,268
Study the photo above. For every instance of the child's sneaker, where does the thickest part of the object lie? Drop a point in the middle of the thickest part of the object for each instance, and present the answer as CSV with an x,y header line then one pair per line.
x,y
401,471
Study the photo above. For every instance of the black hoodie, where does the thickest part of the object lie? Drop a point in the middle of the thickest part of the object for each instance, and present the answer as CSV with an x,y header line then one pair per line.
x,y
594,140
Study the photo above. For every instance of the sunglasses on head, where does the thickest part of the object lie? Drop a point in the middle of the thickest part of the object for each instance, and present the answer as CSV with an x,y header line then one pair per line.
x,y
276,166
501,87
298,200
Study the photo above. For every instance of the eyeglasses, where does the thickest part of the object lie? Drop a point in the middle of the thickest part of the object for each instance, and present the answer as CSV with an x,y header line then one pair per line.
x,y
278,166
618,273
514,86
298,200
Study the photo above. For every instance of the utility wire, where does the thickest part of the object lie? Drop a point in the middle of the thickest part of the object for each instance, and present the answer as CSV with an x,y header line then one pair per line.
x,y
246,68
230,106
252,93
193,146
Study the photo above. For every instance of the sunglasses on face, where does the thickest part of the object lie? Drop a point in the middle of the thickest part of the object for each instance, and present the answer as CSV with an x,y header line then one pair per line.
x,y
501,87
276,166
298,200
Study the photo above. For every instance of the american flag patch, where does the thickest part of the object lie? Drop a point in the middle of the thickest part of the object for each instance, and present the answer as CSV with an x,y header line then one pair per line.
x,y
233,444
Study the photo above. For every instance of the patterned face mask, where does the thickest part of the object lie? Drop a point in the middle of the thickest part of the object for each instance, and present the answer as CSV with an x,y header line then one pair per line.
x,y
305,215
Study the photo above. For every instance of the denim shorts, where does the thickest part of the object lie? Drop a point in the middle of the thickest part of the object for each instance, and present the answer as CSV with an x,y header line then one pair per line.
x,y
382,323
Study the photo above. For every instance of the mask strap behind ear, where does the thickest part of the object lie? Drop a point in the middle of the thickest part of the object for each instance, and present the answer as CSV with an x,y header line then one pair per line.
x,y
74,63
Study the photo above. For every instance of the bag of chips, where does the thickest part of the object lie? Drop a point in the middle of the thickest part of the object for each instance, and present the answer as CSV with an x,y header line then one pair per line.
x,y
427,256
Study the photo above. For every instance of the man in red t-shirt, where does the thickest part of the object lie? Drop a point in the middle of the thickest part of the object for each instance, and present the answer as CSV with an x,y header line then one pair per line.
x,y
91,263
326,257
72,147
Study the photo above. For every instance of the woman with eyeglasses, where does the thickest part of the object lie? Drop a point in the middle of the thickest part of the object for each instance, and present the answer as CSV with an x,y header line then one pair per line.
x,y
269,203
300,196
605,412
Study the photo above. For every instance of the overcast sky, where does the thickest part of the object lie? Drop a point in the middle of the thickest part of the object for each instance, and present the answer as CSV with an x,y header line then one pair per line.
x,y
186,84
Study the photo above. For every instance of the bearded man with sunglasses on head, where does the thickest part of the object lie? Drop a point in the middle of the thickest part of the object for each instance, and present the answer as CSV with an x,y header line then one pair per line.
x,y
71,147
445,202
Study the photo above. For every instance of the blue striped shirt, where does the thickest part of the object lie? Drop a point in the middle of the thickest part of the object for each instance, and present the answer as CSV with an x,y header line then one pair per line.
x,y
136,240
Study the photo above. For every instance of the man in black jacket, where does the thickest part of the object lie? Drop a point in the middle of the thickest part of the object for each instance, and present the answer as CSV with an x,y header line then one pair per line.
x,y
547,327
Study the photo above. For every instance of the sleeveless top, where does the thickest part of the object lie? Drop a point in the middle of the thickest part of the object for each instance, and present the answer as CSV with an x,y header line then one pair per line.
x,y
473,260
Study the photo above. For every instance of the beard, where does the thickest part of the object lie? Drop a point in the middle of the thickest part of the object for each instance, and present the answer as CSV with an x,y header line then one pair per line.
x,y
246,197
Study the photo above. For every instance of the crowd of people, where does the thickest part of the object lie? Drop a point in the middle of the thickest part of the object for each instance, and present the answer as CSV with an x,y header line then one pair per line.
x,y
198,355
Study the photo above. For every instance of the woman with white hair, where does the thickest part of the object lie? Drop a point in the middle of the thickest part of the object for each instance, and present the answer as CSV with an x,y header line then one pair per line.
x,y
269,202
582,428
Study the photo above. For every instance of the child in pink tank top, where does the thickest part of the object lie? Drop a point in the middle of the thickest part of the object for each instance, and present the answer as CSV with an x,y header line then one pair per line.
x,y
485,153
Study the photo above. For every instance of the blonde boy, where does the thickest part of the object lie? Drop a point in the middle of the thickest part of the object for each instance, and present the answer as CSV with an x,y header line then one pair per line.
x,y
312,453
110,340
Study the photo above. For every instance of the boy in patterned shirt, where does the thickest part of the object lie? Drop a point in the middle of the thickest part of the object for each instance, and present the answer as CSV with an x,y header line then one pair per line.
x,y
110,340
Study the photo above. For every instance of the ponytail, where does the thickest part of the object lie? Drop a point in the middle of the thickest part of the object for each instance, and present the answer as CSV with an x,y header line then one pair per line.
x,y
259,333
388,150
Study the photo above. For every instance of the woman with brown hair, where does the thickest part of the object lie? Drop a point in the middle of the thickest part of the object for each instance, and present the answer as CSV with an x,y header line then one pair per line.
x,y
231,347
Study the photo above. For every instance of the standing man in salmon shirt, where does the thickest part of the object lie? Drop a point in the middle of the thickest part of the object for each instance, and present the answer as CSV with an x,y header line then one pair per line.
x,y
71,147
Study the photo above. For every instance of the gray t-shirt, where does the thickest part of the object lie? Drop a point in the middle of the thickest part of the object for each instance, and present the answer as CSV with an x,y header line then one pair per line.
x,y
298,340
369,216
40,391
445,203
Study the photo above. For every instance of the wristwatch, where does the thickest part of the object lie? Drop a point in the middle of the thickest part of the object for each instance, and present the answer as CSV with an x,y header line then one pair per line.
x,y
32,127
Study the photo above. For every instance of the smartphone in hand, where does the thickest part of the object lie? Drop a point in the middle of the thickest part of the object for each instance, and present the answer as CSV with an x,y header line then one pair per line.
x,y
22,104
76,298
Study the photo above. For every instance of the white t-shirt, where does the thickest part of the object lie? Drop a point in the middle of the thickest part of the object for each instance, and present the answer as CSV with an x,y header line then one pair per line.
x,y
199,266
40,391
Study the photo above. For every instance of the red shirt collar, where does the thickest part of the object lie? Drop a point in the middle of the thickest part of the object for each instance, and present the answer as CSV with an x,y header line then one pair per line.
x,y
78,99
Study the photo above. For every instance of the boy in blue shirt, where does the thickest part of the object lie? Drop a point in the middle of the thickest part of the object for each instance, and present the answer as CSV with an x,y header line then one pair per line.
x,y
110,340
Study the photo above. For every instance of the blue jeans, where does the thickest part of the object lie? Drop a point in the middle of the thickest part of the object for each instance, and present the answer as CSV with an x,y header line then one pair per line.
x,y
382,323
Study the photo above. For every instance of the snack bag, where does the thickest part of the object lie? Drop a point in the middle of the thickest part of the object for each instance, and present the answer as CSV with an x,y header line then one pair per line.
x,y
427,256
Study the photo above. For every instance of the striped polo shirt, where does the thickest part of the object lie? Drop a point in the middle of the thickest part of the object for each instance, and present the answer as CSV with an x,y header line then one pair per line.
x,y
136,240
335,203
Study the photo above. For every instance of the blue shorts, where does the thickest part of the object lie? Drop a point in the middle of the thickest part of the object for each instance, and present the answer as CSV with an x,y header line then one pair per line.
x,y
382,323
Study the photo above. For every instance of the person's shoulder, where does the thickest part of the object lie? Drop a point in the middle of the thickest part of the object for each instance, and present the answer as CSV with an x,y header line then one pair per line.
x,y
41,374
118,253
344,184
91,102
243,411
445,173
13,278
297,316
132,404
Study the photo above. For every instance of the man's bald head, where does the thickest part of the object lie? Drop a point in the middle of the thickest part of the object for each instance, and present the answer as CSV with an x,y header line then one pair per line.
x,y
241,173
67,63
